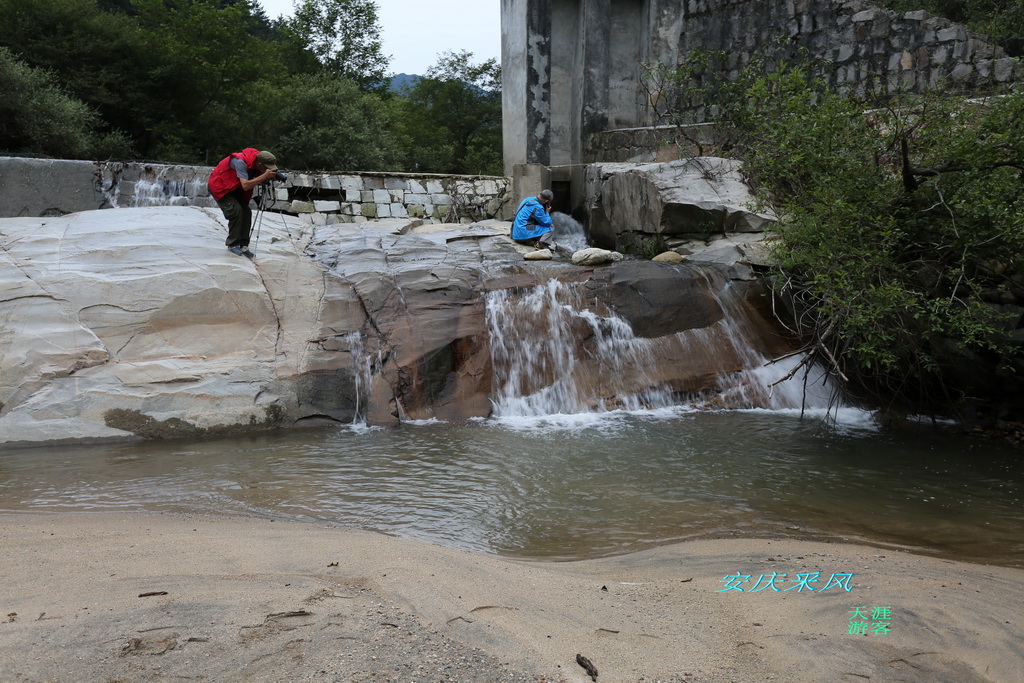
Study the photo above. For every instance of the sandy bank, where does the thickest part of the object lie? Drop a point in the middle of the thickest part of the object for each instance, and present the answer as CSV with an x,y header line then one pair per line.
x,y
131,597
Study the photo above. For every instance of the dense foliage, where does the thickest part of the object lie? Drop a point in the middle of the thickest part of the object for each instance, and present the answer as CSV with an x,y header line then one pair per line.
x,y
1001,18
191,80
901,232
453,117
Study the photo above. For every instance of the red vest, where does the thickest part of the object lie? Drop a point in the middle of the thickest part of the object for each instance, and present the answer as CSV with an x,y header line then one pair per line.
x,y
224,179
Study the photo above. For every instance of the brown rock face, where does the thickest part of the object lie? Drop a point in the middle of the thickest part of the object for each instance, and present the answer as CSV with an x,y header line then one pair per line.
x,y
152,329
568,338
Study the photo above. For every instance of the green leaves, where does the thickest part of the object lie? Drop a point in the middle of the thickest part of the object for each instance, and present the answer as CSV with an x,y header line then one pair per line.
x,y
345,37
903,226
452,117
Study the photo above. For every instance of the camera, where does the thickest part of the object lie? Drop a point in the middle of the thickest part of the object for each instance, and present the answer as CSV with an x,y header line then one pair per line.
x,y
280,176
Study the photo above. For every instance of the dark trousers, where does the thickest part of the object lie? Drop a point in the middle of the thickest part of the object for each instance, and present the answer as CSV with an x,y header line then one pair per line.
x,y
239,216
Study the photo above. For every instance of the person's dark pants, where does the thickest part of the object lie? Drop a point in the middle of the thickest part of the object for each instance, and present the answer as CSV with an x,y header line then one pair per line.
x,y
545,240
239,216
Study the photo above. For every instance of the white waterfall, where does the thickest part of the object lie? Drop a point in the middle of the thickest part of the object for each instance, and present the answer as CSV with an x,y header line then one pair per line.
x,y
568,232
553,353
363,365
161,191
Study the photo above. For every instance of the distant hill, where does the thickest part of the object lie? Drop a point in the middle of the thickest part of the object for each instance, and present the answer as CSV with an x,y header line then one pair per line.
x,y
402,81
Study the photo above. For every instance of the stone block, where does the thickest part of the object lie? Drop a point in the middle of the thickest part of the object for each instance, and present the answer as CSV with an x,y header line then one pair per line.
x,y
381,196
866,15
396,184
397,196
302,180
435,187
366,196
441,199
299,206
416,198
961,72
351,183
368,210
952,33
373,182
488,187
360,219
281,194
1004,69
916,15
415,186
326,206
383,210
330,182
319,218
416,211
398,210
353,195
350,208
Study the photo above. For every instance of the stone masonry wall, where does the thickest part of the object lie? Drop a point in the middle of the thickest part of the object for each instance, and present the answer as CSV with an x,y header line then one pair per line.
x,y
869,48
653,144
353,198
38,187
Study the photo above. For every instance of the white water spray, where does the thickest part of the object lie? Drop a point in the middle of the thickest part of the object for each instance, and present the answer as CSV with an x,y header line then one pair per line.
x,y
568,232
554,353
161,191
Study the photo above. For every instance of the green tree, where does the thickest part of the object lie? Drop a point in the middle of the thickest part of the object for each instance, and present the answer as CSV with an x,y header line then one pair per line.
x,y
1000,18
901,229
37,116
345,36
328,123
202,82
97,57
452,117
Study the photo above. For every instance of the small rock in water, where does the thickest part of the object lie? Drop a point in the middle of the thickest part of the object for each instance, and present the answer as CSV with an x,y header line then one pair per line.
x,y
595,257
539,255
669,257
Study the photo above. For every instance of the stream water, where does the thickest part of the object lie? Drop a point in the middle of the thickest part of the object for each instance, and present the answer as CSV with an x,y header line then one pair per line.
x,y
561,472
567,486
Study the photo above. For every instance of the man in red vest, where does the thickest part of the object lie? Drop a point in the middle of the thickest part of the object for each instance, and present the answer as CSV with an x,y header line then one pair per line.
x,y
232,183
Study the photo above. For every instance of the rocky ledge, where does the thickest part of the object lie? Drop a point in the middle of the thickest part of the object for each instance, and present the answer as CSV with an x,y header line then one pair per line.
x,y
131,323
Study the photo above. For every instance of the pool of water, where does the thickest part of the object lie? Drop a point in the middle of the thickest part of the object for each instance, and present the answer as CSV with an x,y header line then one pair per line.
x,y
566,487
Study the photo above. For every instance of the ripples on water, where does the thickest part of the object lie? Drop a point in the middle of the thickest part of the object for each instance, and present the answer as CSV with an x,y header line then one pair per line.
x,y
562,487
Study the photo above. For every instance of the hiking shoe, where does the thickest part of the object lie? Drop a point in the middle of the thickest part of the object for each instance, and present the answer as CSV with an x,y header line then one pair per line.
x,y
235,250
248,254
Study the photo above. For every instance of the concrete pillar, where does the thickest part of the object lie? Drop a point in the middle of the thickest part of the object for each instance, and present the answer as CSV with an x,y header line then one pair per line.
x,y
529,179
526,81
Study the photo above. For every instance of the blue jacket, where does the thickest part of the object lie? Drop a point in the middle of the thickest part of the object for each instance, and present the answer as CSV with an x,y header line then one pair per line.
x,y
532,220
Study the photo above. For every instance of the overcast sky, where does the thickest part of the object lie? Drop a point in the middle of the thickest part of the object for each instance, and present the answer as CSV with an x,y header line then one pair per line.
x,y
414,32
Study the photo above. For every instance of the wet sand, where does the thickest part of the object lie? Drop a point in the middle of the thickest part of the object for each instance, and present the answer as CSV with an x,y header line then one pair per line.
x,y
155,597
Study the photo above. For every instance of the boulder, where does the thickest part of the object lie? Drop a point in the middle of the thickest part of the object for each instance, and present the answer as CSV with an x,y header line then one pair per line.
x,y
634,206
139,323
669,257
593,256
538,255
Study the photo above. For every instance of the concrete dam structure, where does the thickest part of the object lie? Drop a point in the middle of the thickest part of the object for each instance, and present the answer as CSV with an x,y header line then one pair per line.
x,y
572,68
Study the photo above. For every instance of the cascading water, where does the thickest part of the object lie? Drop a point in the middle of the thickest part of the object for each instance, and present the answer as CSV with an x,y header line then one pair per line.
x,y
568,232
364,363
552,353
161,191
